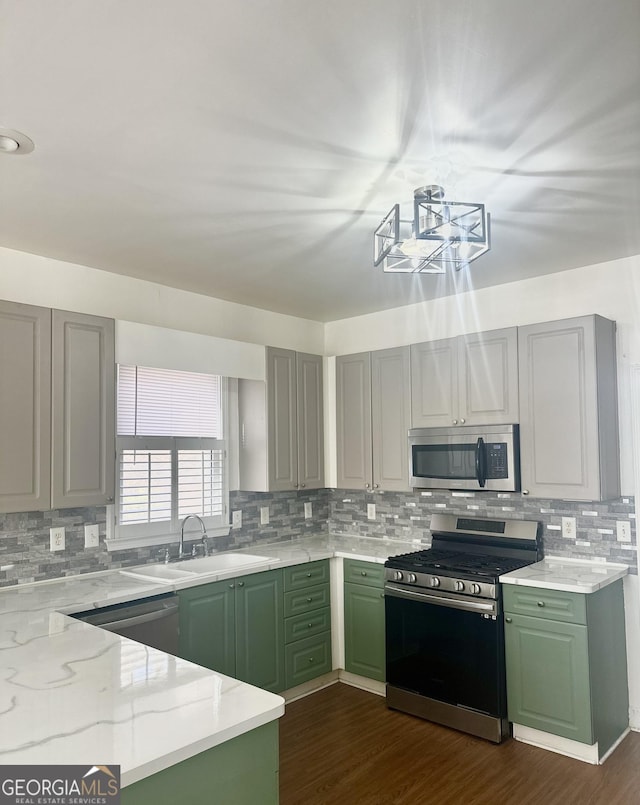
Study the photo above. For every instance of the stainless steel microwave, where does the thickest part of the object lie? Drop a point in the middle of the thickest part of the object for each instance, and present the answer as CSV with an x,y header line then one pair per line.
x,y
465,457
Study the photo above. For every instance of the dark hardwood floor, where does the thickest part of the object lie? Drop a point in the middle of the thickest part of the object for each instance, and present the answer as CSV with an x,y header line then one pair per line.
x,y
343,746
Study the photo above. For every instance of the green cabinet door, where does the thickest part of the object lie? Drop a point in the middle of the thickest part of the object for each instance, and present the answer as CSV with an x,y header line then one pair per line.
x,y
364,630
260,630
548,676
207,626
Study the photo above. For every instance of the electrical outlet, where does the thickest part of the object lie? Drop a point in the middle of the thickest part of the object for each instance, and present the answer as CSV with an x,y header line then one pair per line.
x,y
371,511
91,535
236,519
623,529
308,511
569,527
264,515
56,539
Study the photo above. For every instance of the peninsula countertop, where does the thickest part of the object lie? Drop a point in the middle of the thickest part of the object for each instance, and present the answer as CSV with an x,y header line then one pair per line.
x,y
74,693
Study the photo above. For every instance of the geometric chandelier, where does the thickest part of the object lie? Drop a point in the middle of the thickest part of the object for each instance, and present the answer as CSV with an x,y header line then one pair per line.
x,y
441,236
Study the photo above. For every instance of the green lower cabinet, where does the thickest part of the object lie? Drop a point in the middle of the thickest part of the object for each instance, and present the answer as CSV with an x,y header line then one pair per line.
x,y
566,663
208,626
548,677
242,771
260,631
307,625
236,627
364,620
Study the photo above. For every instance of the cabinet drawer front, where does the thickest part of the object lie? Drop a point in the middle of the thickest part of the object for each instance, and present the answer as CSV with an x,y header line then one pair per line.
x,y
307,624
300,576
306,659
306,600
368,573
552,604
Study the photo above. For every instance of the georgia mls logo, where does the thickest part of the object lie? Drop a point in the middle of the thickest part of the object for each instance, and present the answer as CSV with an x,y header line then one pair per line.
x,y
59,785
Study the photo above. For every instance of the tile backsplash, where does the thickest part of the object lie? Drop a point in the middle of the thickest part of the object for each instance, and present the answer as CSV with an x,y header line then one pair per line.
x,y
24,536
406,515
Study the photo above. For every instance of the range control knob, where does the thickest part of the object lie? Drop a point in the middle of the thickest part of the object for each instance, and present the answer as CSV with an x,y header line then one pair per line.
x,y
435,581
412,579
459,586
475,589
398,575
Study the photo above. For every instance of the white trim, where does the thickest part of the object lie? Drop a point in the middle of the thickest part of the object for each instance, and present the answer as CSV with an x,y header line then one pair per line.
x,y
589,753
362,683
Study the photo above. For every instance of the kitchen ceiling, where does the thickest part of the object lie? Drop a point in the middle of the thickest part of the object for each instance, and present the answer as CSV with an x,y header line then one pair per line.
x,y
246,149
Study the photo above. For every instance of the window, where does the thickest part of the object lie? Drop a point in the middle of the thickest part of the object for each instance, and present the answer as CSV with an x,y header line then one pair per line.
x,y
171,452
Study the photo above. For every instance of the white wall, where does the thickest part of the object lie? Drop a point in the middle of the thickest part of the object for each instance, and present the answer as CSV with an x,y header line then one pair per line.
x,y
43,281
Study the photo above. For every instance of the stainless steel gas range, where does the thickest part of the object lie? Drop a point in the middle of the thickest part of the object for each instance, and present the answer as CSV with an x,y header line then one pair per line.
x,y
444,629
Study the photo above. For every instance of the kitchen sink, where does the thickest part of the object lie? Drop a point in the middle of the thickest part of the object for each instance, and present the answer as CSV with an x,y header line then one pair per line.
x,y
188,568
158,573
226,561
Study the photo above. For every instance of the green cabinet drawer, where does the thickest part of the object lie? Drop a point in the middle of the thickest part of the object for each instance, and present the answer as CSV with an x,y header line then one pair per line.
x,y
307,624
359,572
551,604
306,659
307,600
300,576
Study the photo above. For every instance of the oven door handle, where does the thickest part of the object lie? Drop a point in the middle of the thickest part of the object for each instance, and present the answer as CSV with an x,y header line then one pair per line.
x,y
471,605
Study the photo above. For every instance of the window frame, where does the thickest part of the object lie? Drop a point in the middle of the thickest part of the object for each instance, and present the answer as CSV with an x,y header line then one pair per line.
x,y
165,532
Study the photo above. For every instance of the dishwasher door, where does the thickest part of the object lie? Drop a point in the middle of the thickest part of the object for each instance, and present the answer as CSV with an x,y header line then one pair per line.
x,y
152,621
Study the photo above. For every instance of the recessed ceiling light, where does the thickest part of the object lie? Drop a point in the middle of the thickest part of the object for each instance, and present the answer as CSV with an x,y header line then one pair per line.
x,y
15,142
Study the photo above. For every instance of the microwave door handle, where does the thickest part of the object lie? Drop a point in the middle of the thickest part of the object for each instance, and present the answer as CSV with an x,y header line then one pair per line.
x,y
480,462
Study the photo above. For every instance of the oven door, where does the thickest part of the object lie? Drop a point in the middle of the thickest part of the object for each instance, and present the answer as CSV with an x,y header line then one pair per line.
x,y
446,648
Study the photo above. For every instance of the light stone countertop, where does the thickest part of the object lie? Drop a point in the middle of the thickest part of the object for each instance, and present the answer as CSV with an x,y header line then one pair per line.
x,y
568,575
75,693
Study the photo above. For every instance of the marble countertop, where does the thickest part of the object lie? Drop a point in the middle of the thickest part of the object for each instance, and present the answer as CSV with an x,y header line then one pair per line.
x,y
568,575
74,693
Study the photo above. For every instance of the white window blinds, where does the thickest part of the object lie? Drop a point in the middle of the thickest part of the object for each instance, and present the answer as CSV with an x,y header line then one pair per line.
x,y
163,402
171,450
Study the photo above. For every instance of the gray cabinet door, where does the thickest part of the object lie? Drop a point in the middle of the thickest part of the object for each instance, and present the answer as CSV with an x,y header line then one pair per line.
x,y
310,421
391,417
434,383
353,421
282,419
83,410
25,407
488,377
568,409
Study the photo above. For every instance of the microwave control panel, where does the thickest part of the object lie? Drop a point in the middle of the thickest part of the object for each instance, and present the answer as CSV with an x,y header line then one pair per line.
x,y
496,454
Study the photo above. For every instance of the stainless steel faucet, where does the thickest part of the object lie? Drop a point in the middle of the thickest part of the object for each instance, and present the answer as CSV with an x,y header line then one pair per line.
x,y
203,536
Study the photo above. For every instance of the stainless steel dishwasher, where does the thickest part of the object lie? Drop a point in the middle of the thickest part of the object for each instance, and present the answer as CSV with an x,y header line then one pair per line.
x,y
152,621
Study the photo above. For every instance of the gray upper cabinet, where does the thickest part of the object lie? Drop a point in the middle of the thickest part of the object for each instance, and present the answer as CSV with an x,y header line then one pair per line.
x,y
25,407
281,424
568,406
372,417
353,421
468,380
83,410
57,409
488,377
310,416
282,419
434,383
